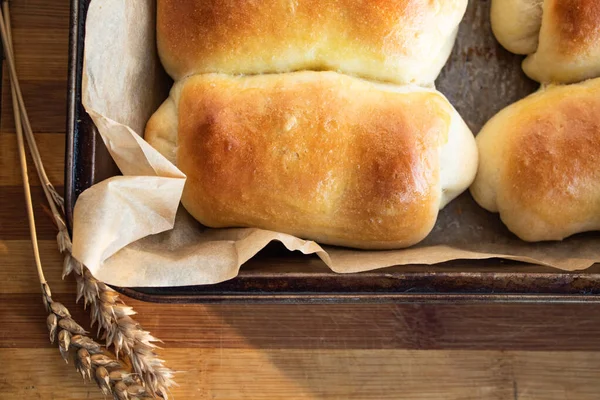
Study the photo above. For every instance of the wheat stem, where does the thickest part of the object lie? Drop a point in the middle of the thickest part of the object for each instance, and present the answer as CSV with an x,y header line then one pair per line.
x,y
23,158
7,43
22,118
55,201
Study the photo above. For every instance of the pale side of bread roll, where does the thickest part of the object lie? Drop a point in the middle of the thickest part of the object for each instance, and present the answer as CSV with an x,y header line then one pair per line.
x,y
400,41
319,155
539,163
561,37
516,24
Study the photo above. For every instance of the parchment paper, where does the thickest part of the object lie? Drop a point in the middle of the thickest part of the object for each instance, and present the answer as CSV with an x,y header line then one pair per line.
x,y
130,230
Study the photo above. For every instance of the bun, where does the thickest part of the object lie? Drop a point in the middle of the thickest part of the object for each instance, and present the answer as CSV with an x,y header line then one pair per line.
x,y
400,41
539,163
318,155
561,37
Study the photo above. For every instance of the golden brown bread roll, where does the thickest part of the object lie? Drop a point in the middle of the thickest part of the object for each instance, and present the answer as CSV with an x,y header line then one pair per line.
x,y
539,163
561,37
401,41
319,155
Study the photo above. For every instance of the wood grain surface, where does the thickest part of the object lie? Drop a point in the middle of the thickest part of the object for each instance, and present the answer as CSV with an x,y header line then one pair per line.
x,y
371,351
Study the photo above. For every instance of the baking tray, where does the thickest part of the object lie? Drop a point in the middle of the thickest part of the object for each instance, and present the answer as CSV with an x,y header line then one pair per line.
x,y
277,275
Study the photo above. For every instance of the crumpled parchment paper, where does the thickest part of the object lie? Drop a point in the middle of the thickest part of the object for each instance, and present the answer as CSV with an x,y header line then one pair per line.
x,y
130,230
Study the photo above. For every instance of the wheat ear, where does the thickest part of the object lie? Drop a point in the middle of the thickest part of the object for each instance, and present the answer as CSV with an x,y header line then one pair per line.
x,y
111,314
91,360
113,318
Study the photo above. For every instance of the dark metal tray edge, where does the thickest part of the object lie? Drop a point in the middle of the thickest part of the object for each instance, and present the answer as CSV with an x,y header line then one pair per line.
x,y
425,287
336,298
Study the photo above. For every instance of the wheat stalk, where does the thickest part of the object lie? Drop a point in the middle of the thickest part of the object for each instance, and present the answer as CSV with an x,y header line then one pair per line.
x,y
108,311
91,360
113,318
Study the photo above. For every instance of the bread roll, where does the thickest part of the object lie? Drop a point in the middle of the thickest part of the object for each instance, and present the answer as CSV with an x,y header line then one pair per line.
x,y
539,163
401,41
516,24
562,37
319,155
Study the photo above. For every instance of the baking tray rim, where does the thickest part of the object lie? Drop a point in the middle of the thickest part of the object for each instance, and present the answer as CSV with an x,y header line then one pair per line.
x,y
81,142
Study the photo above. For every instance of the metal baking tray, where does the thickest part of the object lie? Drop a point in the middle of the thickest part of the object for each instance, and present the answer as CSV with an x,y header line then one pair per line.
x,y
277,275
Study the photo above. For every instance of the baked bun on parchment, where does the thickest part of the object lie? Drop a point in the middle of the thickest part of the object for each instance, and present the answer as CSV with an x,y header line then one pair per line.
x,y
539,163
318,155
400,41
561,37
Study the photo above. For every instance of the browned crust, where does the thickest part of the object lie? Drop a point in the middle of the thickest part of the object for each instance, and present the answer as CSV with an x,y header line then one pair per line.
x,y
328,158
576,25
552,169
258,36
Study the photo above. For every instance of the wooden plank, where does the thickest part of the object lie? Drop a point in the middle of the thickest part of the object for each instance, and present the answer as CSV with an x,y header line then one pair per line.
x,y
53,156
344,326
46,103
257,374
375,326
26,319
40,34
13,216
18,273
39,14
41,53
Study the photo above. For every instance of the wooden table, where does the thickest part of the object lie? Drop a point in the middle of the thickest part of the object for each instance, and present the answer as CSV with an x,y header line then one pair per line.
x,y
386,351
